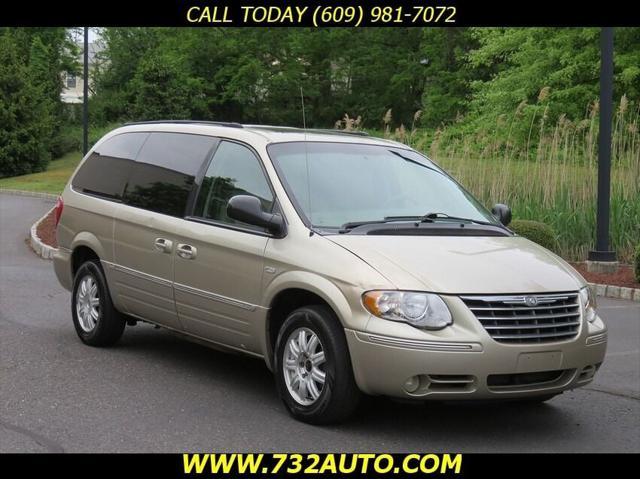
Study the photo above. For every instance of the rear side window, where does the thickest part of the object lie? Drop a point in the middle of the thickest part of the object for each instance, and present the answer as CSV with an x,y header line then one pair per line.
x,y
163,174
106,171
234,170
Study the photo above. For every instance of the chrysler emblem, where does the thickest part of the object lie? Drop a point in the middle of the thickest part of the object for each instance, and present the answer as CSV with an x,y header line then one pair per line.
x,y
530,300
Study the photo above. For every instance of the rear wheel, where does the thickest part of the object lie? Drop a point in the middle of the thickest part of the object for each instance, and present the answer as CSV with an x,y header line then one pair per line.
x,y
313,368
96,321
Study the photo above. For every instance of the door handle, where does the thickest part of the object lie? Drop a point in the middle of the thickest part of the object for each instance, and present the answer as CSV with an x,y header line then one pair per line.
x,y
186,251
163,245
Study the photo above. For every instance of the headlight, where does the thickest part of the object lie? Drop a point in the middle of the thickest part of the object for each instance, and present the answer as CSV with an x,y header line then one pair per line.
x,y
588,300
422,310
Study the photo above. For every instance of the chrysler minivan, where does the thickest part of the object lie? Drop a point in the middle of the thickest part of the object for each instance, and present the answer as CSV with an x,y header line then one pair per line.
x,y
349,264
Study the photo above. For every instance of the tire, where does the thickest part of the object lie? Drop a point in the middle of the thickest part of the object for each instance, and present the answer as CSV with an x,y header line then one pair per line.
x,y
103,325
338,395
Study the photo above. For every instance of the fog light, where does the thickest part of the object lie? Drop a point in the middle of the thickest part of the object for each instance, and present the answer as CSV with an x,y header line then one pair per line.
x,y
412,384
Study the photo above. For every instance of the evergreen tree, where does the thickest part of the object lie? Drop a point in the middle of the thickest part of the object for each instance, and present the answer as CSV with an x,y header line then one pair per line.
x,y
24,115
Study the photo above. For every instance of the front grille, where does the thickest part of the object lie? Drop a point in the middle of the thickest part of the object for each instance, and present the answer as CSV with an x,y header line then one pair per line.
x,y
534,318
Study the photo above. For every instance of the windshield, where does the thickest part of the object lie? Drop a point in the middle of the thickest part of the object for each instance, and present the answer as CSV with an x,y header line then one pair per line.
x,y
338,183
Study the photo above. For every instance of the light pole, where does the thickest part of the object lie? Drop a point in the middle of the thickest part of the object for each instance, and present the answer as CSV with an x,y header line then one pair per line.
x,y
602,258
85,95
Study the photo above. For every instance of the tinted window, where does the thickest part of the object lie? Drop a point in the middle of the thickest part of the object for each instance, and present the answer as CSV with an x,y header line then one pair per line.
x,y
235,170
164,171
106,171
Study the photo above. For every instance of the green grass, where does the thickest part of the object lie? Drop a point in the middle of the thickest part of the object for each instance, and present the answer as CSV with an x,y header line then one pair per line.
x,y
51,181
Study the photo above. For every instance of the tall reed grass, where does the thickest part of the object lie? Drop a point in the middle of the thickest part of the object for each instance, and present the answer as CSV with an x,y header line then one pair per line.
x,y
550,173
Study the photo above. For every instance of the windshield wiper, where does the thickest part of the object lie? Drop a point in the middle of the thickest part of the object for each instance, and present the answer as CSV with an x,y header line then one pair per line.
x,y
354,224
431,217
428,218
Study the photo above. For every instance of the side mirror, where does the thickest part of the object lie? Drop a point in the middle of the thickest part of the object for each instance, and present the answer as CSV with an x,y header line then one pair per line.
x,y
503,213
248,209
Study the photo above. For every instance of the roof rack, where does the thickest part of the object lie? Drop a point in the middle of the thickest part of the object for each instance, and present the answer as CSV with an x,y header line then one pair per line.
x,y
188,122
327,131
332,131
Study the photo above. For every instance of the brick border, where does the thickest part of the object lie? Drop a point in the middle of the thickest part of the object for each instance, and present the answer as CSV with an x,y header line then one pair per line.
x,y
43,250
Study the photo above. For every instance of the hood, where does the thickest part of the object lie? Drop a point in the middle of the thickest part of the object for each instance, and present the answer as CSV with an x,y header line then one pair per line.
x,y
464,264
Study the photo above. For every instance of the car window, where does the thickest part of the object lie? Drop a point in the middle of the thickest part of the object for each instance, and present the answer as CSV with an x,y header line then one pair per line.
x,y
163,174
234,170
338,183
106,171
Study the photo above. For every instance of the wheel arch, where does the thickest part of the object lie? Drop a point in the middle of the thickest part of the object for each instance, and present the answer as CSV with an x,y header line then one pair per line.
x,y
85,246
292,291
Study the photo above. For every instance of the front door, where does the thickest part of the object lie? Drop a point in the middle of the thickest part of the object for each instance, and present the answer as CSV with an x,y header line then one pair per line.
x,y
219,261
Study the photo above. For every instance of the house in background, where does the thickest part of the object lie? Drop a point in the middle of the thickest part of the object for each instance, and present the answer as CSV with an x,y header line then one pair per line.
x,y
72,88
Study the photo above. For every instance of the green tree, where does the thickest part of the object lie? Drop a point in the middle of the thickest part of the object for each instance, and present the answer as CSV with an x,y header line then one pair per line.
x,y
448,77
24,113
163,90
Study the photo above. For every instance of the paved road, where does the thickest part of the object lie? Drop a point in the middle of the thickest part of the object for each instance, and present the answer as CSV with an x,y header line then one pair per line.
x,y
154,392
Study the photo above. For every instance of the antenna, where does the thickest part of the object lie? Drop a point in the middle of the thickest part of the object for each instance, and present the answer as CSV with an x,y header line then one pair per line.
x,y
304,119
306,159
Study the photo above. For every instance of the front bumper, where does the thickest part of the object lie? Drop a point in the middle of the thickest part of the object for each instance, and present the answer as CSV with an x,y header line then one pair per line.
x,y
464,362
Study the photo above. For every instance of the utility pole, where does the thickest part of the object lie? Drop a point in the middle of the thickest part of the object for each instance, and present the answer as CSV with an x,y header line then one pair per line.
x,y
602,258
85,95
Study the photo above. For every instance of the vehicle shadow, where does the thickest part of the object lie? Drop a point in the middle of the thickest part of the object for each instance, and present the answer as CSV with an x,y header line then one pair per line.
x,y
397,423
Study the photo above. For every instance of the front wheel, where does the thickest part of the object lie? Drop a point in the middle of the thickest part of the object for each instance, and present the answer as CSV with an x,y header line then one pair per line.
x,y
313,368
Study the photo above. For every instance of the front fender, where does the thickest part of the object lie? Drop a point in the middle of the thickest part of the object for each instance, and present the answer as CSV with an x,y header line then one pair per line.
x,y
313,283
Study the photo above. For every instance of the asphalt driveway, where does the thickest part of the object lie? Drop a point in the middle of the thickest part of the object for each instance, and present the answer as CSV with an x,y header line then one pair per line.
x,y
154,392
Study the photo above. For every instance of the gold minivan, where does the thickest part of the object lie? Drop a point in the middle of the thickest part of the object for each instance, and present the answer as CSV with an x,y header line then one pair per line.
x,y
349,264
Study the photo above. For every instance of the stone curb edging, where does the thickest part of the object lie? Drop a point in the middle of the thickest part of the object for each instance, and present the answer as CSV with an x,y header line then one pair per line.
x,y
33,194
616,292
43,250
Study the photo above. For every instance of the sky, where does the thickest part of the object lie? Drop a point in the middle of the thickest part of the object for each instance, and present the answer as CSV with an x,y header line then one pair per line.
x,y
94,34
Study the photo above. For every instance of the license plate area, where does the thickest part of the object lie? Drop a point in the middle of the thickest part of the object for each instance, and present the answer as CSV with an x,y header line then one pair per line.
x,y
539,361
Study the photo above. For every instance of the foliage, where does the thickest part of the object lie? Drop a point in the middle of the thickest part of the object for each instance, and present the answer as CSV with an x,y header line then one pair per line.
x,y
637,263
31,62
24,114
448,77
162,90
557,183
256,75
537,232
66,140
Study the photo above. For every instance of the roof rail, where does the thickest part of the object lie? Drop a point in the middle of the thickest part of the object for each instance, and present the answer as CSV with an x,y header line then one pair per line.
x,y
328,131
340,132
187,122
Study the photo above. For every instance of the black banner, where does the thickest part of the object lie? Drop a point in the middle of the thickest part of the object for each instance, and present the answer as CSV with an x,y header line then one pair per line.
x,y
317,13
228,465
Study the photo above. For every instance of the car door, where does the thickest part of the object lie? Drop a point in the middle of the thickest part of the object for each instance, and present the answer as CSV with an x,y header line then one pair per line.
x,y
219,261
155,201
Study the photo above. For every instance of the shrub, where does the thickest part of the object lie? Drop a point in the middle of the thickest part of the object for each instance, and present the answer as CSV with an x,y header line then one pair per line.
x,y
537,232
637,263
65,141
